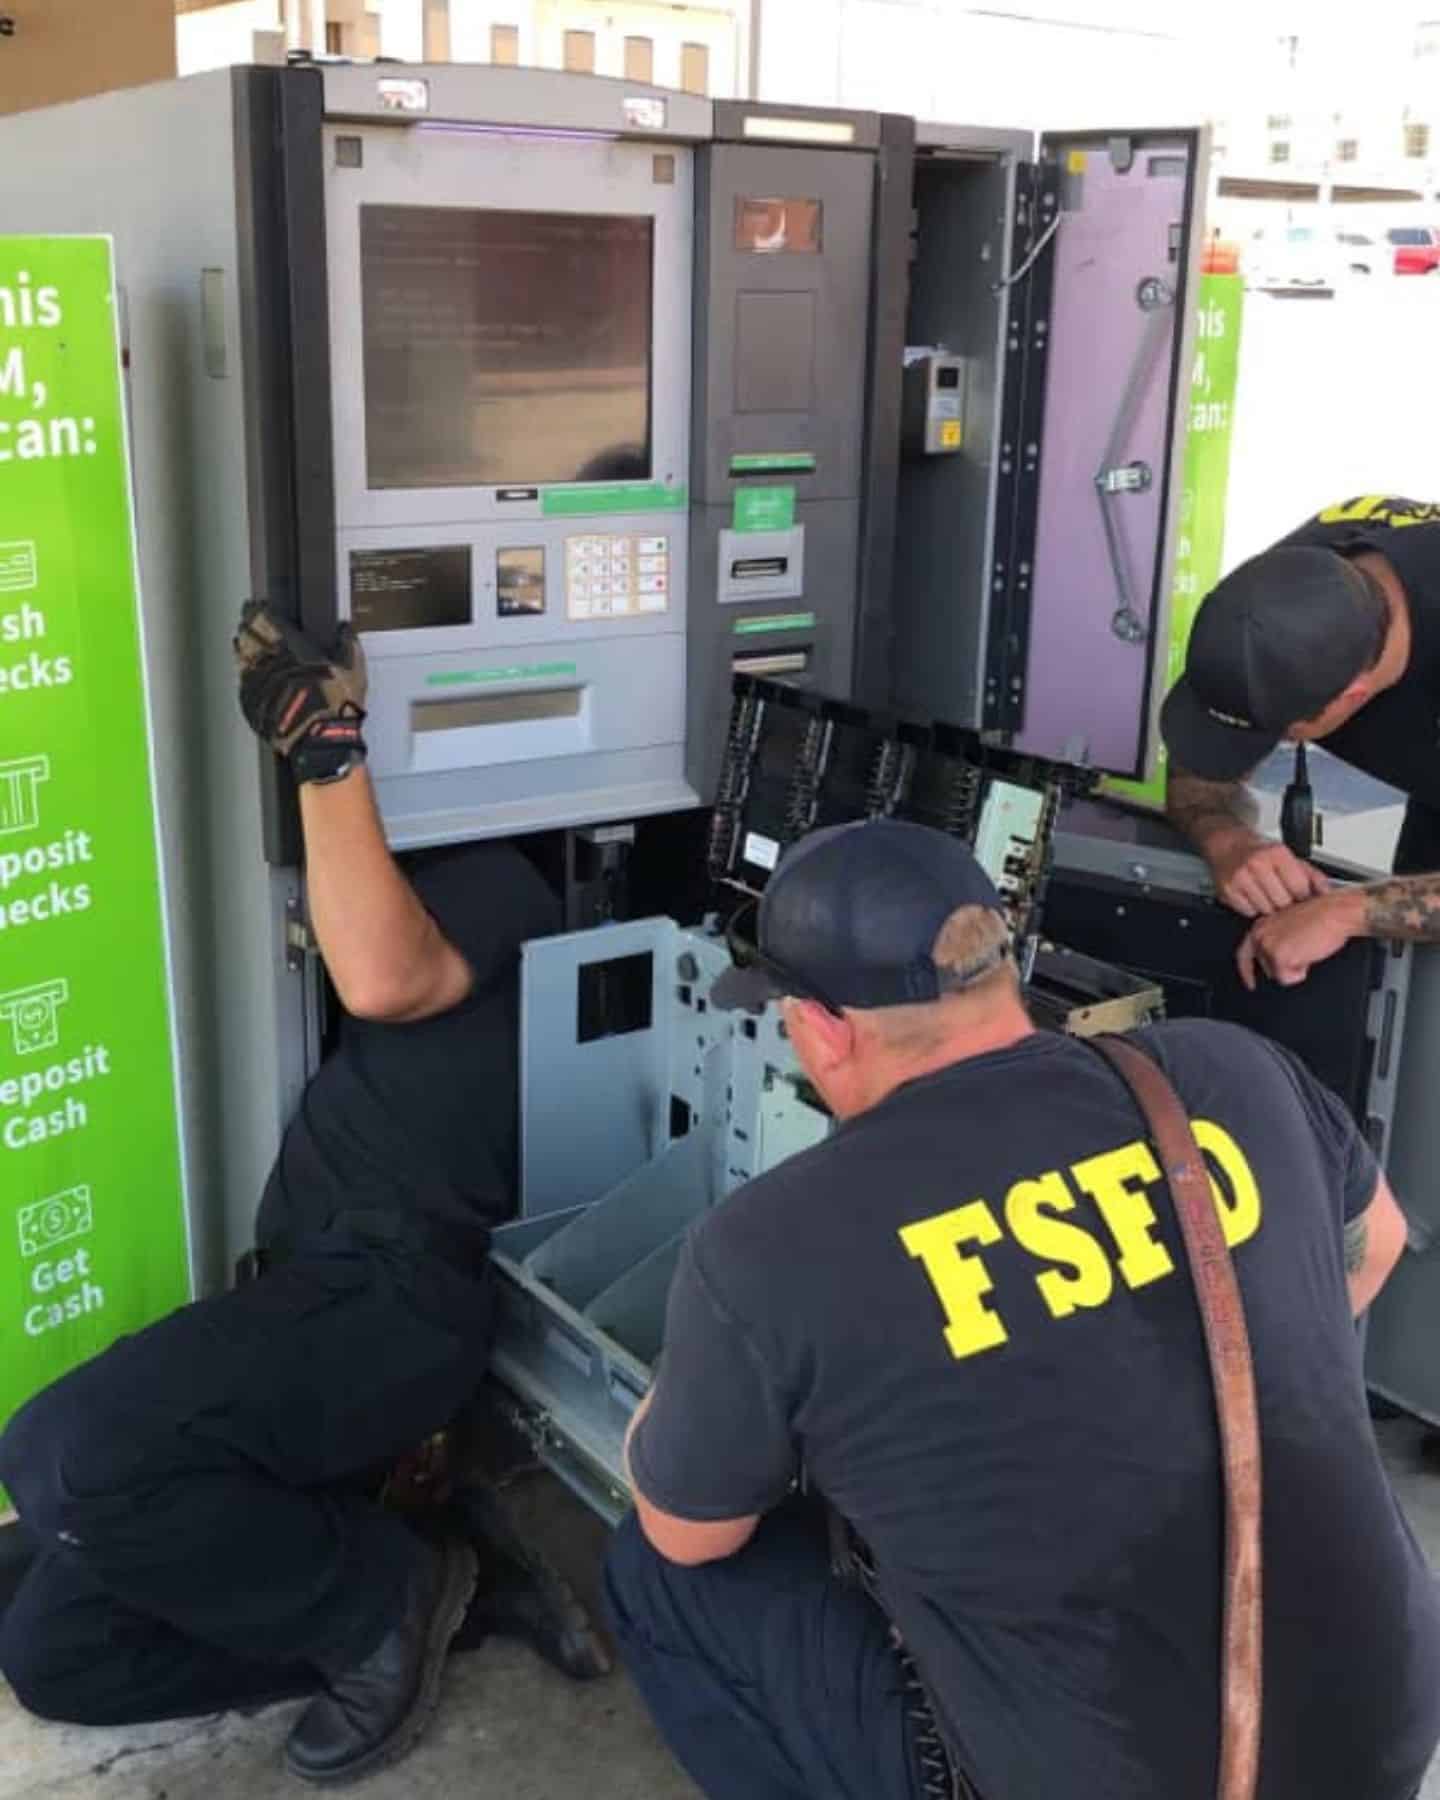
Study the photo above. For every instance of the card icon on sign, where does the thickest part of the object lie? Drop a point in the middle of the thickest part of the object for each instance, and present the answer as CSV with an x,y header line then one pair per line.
x,y
19,571
55,1220
34,1015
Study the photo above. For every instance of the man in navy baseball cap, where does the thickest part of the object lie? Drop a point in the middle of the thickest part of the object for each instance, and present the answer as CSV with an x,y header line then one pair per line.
x,y
864,916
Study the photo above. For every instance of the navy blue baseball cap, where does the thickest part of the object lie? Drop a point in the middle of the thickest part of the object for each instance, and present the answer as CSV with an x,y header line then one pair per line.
x,y
851,917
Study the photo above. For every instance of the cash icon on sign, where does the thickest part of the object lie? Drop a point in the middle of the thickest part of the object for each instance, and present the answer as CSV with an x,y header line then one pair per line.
x,y
34,1015
55,1220
19,571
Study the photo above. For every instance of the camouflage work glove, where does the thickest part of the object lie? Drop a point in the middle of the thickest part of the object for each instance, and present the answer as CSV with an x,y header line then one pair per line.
x,y
307,705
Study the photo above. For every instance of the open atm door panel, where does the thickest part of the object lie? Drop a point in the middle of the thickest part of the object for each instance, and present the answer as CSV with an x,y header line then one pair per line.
x,y
1104,430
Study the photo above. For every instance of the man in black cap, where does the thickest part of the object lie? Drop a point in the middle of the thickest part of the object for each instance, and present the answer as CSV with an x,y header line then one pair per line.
x,y
1333,636
967,1318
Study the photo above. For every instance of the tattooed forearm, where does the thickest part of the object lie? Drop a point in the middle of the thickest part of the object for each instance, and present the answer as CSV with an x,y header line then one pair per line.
x,y
1201,808
1406,907
1357,1242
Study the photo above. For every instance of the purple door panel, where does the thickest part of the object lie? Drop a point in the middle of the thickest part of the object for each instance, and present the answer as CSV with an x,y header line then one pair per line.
x,y
1108,425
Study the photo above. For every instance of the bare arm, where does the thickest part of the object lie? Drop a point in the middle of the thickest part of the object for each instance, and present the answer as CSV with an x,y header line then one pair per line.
x,y
686,1541
1373,1244
388,958
1207,810
1253,874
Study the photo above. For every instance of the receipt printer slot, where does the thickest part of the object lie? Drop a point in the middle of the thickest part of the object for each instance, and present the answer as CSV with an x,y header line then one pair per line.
x,y
494,709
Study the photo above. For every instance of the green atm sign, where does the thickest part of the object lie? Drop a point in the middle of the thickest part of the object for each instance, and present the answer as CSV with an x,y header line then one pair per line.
x,y
92,1222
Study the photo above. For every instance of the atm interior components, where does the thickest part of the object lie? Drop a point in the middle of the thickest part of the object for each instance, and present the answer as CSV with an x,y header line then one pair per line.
x,y
641,1107
794,762
1032,568
1126,890
1083,997
933,414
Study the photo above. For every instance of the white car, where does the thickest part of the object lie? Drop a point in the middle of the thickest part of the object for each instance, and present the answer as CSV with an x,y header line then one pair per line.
x,y
1308,258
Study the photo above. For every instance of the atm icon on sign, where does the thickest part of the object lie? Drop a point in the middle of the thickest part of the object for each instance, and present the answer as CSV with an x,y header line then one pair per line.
x,y
55,1220
18,569
34,1015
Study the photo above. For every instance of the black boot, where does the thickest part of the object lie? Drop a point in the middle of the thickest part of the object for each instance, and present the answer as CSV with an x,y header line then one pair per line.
x,y
374,1712
520,1593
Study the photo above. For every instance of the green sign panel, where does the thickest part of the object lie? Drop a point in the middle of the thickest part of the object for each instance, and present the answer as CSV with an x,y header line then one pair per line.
x,y
612,497
770,462
92,1218
1200,535
764,508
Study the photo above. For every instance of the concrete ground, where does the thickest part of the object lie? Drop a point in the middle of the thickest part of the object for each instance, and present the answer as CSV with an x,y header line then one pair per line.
x,y
508,1726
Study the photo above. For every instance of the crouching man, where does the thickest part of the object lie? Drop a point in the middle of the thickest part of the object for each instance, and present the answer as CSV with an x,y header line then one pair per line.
x,y
968,1318
203,1490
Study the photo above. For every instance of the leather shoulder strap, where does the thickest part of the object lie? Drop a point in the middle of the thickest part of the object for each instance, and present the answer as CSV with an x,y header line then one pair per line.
x,y
1233,1376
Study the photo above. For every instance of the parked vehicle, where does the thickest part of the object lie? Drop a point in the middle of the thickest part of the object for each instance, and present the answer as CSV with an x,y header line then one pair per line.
x,y
1416,249
1309,258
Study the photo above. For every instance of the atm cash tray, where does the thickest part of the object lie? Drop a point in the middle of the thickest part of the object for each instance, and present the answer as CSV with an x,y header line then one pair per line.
x,y
642,1106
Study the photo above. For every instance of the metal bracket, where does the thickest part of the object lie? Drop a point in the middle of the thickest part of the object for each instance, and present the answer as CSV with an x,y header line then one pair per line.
x,y
1156,300
300,940
1122,155
1129,478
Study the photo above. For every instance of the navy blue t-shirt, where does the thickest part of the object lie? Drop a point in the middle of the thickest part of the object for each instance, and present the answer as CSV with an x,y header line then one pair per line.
x,y
969,1316
424,1117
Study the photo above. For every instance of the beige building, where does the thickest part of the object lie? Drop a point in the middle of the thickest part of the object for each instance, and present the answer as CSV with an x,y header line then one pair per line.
x,y
52,50
702,46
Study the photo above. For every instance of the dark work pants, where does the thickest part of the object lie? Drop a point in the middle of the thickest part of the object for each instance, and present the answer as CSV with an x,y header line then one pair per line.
x,y
769,1679
207,1540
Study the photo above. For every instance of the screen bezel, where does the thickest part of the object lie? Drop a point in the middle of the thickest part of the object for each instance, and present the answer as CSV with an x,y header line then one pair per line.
x,y
521,476
527,173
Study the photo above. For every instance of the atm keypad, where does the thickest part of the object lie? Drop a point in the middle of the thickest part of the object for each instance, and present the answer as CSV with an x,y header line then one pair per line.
x,y
616,576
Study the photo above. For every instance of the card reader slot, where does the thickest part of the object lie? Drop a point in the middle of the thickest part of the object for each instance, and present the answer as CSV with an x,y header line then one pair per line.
x,y
494,709
776,663
759,568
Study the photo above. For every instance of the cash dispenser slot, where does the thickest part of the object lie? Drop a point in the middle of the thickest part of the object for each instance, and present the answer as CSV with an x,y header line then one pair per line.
x,y
779,665
495,709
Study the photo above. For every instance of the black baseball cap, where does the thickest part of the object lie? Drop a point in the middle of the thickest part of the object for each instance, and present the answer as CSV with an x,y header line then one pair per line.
x,y
850,918
1273,644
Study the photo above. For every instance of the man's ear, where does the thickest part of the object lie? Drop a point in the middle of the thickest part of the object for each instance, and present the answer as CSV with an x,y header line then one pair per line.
x,y
828,1040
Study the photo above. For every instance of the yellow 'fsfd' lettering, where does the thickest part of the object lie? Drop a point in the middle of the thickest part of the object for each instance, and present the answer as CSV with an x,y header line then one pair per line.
x,y
1030,1207
1239,1210
961,1282
1116,1182
1352,511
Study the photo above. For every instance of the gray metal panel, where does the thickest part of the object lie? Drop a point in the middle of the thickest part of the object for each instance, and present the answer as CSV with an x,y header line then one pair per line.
x,y
1402,1346
477,94
156,168
826,419
945,530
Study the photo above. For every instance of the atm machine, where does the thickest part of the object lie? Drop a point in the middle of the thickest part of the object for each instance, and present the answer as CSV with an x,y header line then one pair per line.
x,y
718,468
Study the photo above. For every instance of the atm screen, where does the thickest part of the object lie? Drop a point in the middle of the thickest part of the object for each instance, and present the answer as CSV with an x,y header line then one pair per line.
x,y
505,349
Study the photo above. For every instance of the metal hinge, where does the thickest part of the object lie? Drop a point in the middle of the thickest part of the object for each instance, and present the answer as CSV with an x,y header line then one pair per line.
x,y
300,940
